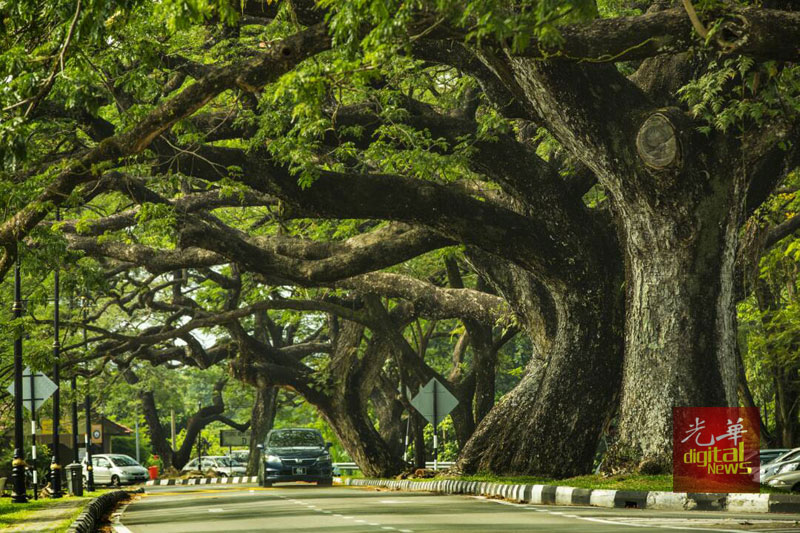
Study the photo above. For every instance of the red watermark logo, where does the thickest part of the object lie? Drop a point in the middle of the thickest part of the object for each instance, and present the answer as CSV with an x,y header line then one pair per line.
x,y
715,449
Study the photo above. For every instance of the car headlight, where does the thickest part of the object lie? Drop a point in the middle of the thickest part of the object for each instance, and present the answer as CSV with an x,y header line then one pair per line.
x,y
273,459
776,482
324,459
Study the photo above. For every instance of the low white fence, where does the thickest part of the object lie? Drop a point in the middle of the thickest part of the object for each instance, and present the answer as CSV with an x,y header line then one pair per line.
x,y
349,468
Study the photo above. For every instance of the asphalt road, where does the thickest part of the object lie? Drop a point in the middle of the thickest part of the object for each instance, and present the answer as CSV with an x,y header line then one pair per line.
x,y
306,508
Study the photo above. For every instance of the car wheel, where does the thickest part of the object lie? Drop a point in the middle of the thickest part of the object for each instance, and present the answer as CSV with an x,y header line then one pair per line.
x,y
223,474
115,481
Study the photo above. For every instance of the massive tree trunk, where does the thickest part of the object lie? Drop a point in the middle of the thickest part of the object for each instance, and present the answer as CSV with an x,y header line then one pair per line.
x,y
340,394
678,200
485,361
348,418
158,437
680,326
354,370
262,418
551,421
389,413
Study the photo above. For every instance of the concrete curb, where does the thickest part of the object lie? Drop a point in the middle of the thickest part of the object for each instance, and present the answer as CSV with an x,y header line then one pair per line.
x,y
96,510
203,481
554,495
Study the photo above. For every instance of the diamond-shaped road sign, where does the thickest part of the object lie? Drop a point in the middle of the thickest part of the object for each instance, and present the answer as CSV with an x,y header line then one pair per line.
x,y
434,398
43,387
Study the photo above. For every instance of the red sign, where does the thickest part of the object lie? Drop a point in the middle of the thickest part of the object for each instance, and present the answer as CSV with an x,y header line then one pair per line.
x,y
715,449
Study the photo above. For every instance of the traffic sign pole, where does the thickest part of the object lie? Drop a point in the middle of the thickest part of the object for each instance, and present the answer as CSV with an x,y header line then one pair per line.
x,y
89,466
435,419
434,402
405,449
33,436
18,494
137,439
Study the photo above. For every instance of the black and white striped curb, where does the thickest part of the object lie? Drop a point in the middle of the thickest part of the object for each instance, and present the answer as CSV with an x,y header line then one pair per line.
x,y
550,494
96,510
203,481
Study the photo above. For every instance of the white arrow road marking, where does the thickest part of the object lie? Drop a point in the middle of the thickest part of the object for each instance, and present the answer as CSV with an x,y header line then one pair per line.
x,y
216,510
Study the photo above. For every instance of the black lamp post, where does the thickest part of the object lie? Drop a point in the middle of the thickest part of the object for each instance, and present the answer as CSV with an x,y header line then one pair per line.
x,y
89,466
55,464
74,382
18,490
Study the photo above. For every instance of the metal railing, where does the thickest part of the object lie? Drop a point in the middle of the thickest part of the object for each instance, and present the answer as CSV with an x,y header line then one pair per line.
x,y
345,468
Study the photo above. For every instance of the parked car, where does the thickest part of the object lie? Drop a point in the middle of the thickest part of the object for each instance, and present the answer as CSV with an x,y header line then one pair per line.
x,y
115,469
768,455
787,478
240,456
221,465
295,454
772,468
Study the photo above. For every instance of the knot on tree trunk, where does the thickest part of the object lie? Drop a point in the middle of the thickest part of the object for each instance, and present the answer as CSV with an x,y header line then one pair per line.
x,y
657,142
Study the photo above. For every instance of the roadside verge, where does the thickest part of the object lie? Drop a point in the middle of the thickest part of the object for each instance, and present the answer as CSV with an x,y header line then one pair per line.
x,y
557,495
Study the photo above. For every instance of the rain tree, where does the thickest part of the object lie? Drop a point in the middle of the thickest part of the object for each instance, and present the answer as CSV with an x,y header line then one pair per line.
x,y
593,162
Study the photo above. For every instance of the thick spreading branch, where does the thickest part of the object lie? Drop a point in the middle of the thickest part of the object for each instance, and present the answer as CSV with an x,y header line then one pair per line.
x,y
249,75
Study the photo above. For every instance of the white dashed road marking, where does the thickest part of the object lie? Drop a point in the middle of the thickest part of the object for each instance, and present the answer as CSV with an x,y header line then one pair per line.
x,y
618,522
313,507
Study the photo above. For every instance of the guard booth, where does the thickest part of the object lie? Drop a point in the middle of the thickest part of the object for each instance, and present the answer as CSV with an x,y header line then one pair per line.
x,y
103,432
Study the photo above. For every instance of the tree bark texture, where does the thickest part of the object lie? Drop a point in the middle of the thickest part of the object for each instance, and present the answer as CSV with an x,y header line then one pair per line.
x,y
262,418
678,201
551,421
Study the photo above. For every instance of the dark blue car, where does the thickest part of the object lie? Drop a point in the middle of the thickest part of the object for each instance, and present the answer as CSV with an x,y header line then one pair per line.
x,y
295,454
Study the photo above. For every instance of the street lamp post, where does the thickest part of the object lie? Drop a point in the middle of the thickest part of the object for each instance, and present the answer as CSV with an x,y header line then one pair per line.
x,y
74,382
18,490
89,468
55,464
88,440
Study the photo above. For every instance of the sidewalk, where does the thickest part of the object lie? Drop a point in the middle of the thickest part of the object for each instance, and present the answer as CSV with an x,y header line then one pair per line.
x,y
43,515
50,518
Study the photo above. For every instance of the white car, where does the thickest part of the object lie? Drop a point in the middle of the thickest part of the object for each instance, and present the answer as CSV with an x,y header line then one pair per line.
x,y
221,465
115,469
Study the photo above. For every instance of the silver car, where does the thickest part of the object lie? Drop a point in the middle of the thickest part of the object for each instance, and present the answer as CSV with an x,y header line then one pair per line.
x,y
788,478
115,469
774,467
221,465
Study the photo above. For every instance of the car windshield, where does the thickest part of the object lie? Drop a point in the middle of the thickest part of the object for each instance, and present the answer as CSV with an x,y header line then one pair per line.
x,y
290,438
124,460
226,461
788,456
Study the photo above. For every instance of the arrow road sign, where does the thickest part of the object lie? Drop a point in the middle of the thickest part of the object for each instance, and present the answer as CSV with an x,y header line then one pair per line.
x,y
434,402
42,385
